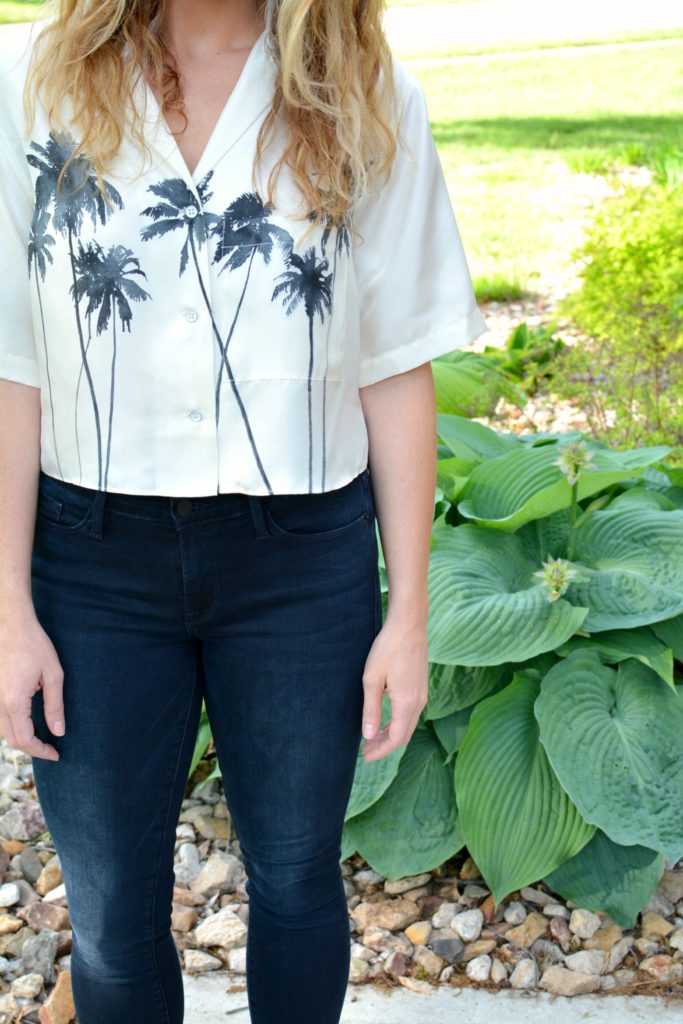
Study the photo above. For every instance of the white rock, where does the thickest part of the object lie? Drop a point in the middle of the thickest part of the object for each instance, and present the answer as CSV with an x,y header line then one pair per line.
x,y
28,986
222,872
590,961
367,879
563,982
525,974
188,866
555,910
9,894
358,970
618,952
515,912
237,960
468,924
223,929
583,923
362,952
498,971
58,893
479,968
443,916
196,961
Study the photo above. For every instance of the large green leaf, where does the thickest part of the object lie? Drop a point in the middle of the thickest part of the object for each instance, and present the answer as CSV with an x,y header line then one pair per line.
x,y
468,384
471,441
486,608
452,687
413,827
451,731
619,644
518,821
372,778
670,632
608,878
613,737
633,567
522,485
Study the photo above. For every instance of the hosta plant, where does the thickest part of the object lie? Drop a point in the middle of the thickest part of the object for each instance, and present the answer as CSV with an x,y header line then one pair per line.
x,y
552,742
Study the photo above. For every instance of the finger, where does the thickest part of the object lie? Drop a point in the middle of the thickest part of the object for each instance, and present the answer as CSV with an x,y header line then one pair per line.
x,y
395,733
53,702
372,707
26,739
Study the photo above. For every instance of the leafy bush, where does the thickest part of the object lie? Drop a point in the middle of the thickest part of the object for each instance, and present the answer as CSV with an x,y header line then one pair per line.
x,y
551,742
628,374
529,357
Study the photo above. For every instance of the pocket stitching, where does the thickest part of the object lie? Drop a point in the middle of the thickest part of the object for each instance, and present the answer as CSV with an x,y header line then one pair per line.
x,y
279,531
50,510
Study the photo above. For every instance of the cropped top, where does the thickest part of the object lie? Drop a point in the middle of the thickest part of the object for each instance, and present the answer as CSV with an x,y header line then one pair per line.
x,y
185,339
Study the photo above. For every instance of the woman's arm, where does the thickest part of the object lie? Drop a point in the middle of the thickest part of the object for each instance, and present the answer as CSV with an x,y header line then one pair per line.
x,y
401,421
28,659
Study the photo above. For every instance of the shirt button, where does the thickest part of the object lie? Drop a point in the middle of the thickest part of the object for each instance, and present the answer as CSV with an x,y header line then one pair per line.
x,y
191,315
195,415
191,212
183,507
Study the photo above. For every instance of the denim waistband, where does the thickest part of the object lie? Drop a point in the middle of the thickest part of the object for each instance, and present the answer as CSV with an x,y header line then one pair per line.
x,y
156,506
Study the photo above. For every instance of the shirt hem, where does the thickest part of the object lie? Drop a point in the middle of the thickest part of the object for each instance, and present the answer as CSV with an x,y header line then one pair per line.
x,y
442,339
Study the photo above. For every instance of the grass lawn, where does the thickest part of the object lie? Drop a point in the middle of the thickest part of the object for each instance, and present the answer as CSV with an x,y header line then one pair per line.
x,y
512,132
19,10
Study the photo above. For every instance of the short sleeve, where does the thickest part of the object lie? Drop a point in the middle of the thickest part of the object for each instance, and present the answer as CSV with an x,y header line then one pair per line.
x,y
18,360
415,293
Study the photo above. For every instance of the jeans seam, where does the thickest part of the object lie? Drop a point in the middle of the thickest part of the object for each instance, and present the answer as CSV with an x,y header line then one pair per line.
x,y
161,847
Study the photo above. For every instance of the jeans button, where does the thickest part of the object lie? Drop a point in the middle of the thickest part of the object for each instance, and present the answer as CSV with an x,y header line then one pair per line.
x,y
184,507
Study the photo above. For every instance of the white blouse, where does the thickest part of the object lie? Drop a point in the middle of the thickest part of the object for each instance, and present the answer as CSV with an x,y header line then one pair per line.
x,y
185,340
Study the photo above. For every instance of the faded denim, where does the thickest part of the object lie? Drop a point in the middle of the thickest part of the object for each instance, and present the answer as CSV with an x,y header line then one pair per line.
x,y
266,608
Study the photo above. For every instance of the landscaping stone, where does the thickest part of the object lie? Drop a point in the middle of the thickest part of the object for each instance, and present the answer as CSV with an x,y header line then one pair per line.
x,y
563,982
438,928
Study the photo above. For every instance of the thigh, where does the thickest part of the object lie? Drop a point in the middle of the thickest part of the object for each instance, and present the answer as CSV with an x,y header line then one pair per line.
x,y
283,660
132,701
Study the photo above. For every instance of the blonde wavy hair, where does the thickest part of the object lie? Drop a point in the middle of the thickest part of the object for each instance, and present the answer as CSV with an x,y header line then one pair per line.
x,y
334,83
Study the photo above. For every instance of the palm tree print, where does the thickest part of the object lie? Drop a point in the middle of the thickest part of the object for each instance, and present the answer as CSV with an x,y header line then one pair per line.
x,y
243,230
39,256
181,210
106,280
76,197
341,241
305,280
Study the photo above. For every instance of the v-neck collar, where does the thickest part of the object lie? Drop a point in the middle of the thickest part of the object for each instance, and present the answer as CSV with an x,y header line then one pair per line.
x,y
250,97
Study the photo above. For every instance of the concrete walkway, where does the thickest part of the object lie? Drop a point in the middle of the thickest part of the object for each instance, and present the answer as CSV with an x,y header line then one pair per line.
x,y
208,1002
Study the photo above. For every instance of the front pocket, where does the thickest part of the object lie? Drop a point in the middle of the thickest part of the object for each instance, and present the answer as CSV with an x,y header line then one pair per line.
x,y
319,516
66,515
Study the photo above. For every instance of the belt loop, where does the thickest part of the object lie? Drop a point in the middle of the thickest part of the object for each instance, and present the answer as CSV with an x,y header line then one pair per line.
x,y
367,489
256,507
97,515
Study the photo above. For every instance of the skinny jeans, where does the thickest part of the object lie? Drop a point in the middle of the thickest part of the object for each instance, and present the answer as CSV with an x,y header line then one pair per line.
x,y
263,607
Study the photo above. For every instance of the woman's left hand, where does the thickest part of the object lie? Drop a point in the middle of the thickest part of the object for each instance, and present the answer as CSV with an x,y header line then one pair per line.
x,y
396,664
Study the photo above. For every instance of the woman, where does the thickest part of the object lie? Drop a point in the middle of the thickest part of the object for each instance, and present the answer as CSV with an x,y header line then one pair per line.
x,y
229,256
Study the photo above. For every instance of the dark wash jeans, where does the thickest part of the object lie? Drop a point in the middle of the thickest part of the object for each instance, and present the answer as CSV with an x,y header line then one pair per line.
x,y
265,607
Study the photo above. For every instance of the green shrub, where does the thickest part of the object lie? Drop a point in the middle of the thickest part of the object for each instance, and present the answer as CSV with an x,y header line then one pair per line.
x,y
628,374
551,742
529,357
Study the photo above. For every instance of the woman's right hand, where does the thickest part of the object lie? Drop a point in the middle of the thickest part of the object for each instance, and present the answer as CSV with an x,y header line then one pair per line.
x,y
29,662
